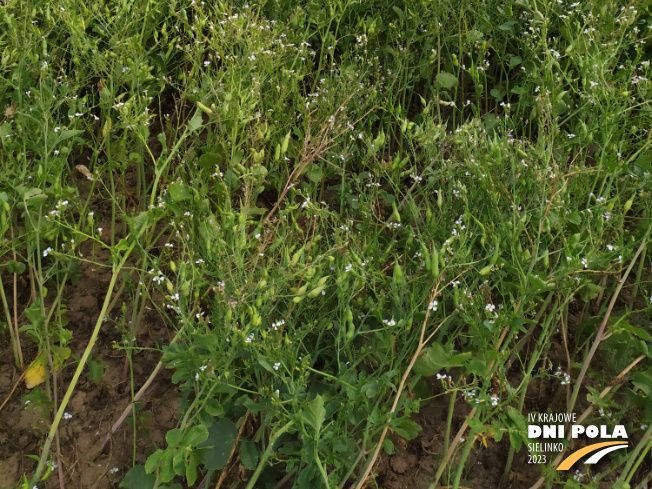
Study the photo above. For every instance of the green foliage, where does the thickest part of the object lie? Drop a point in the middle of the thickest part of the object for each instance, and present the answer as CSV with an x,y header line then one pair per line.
x,y
296,180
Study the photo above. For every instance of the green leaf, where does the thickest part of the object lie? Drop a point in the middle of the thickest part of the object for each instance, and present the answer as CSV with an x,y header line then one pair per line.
x,y
179,192
315,413
315,173
517,417
196,121
220,441
262,361
179,461
507,26
137,478
67,134
195,436
214,408
249,454
437,357
590,291
15,267
237,157
446,80
174,437
209,160
166,472
153,461
370,389
231,179
191,469
406,428
514,61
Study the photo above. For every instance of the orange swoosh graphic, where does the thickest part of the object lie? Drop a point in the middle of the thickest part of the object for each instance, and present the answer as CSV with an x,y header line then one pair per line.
x,y
575,456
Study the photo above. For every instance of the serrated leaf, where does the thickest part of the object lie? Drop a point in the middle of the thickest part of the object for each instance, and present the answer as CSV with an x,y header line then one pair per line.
x,y
446,80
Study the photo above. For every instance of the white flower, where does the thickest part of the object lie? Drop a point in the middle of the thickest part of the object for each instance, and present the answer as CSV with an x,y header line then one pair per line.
x,y
348,268
67,416
490,307
433,305
47,251
607,216
277,365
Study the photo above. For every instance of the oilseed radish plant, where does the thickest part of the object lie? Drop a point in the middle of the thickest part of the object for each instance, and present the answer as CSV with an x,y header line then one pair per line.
x,y
343,212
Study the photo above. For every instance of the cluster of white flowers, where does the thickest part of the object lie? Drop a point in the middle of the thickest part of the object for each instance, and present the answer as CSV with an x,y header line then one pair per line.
x,y
565,378
389,322
277,324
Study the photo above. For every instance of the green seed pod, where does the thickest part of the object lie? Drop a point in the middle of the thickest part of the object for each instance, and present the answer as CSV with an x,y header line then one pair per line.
x,y
286,141
426,256
173,266
349,315
440,198
315,292
277,152
398,277
350,332
628,205
169,286
435,264
546,259
485,270
396,215
259,301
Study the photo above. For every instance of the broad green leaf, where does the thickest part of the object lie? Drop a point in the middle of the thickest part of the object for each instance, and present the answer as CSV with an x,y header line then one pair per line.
x,y
195,436
214,408
446,80
179,192
138,478
174,437
191,469
406,428
314,413
315,173
179,461
153,461
249,454
15,267
196,121
220,441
